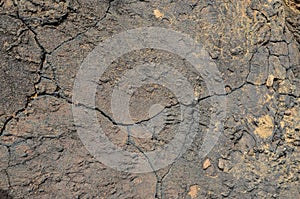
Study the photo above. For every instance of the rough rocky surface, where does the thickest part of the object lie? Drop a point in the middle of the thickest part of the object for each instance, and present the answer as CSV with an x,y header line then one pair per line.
x,y
255,44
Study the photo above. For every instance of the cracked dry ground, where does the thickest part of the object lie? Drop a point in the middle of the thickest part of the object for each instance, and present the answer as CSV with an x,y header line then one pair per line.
x,y
255,44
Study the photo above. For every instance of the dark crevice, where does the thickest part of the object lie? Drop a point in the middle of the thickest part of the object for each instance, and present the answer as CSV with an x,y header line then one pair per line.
x,y
122,124
57,22
5,124
130,142
81,33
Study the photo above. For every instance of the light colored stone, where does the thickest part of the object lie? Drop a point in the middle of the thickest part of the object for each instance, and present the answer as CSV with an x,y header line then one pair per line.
x,y
270,80
206,164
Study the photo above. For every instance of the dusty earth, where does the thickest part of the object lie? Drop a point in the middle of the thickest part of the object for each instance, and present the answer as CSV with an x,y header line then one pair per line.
x,y
255,44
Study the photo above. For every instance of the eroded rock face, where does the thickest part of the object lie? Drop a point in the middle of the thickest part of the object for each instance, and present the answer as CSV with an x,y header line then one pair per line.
x,y
292,17
255,45
20,60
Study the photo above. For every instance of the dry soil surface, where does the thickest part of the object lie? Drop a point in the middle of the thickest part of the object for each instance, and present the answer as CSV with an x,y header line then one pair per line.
x,y
255,45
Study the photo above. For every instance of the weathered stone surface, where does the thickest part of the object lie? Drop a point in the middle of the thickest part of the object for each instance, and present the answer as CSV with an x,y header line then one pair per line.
x,y
255,45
